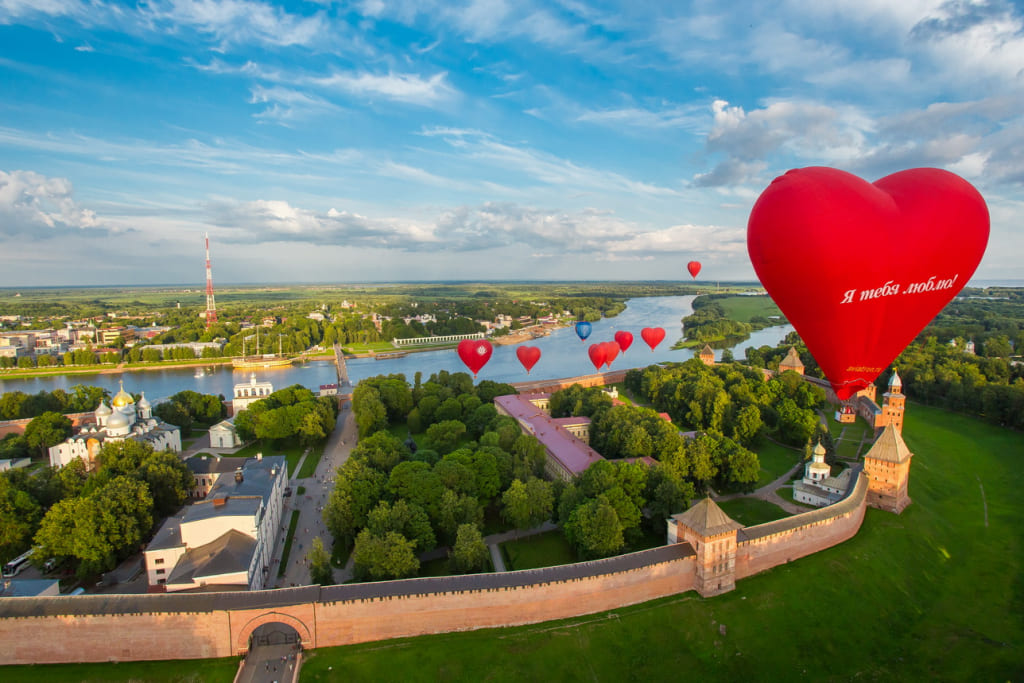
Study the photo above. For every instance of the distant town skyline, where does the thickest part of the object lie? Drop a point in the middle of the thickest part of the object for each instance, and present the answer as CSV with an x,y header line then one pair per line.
x,y
421,140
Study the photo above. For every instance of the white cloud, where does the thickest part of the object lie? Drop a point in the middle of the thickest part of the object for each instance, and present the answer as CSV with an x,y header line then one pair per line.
x,y
40,207
411,88
237,21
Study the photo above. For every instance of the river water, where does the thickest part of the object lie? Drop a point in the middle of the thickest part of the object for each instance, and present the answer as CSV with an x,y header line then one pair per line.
x,y
562,355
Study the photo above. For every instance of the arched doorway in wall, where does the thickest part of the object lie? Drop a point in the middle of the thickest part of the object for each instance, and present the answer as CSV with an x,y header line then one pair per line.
x,y
274,633
270,629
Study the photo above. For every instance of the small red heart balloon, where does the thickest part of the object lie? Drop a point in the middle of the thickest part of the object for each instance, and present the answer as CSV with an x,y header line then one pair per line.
x,y
528,356
694,268
653,336
860,268
611,352
475,353
597,355
624,340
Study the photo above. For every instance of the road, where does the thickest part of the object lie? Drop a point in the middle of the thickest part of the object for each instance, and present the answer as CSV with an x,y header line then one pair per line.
x,y
311,503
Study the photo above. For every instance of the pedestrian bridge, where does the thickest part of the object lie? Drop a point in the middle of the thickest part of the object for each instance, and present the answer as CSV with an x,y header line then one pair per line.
x,y
445,339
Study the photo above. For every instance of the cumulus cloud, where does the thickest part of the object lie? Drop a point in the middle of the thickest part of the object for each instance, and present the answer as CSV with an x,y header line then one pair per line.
x,y
40,207
597,234
800,128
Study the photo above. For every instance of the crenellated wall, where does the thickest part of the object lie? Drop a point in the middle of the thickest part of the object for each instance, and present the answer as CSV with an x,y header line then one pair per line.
x,y
764,546
190,626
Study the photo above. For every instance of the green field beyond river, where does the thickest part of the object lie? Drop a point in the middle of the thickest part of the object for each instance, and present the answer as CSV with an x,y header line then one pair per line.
x,y
934,594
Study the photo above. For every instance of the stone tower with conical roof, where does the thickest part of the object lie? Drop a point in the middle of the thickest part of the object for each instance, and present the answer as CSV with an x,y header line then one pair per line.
x,y
707,355
712,534
887,465
792,362
894,402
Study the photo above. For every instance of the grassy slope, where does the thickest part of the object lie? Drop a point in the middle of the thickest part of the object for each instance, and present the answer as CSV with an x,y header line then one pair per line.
x,y
743,308
933,594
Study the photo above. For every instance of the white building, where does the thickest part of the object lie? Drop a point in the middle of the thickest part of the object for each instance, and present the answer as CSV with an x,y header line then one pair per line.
x,y
225,541
248,392
818,487
223,435
122,419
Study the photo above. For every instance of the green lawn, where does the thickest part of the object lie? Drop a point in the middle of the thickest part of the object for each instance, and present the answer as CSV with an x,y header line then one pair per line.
x,y
290,449
936,593
308,468
752,511
775,461
542,550
287,549
786,493
743,308
180,671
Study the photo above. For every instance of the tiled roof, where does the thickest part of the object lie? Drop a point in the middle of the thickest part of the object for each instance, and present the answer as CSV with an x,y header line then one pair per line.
x,y
574,455
707,519
889,447
792,359
229,553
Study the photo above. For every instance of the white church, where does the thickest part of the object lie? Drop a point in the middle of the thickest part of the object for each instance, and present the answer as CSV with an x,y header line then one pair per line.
x,y
122,419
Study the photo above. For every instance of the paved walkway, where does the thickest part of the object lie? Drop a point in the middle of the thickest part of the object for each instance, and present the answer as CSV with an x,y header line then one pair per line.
x,y
768,493
271,664
310,505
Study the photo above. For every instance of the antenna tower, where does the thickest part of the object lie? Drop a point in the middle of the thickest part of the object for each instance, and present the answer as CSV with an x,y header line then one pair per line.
x,y
211,307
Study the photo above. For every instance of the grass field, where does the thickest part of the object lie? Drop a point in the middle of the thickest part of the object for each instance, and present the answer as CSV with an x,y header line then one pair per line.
x,y
543,550
775,461
934,594
292,452
286,550
743,308
752,511
179,671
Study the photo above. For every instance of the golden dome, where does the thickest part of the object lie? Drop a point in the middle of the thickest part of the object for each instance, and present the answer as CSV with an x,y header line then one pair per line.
x,y
122,398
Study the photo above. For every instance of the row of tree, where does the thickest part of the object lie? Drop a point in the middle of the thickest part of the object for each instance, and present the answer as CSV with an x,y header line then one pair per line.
x,y
294,411
93,519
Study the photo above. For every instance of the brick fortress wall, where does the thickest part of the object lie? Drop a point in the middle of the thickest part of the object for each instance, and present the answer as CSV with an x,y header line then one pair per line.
x,y
111,628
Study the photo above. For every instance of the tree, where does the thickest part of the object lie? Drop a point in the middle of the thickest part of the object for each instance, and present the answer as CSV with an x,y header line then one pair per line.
x,y
417,483
594,529
98,529
320,570
404,518
49,429
370,412
358,488
470,553
454,511
380,558
19,519
528,505
444,436
176,414
169,481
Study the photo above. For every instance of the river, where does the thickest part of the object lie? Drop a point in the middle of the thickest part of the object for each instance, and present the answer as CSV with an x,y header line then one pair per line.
x,y
562,355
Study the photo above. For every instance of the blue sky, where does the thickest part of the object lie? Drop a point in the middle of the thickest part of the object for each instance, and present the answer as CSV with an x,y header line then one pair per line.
x,y
480,139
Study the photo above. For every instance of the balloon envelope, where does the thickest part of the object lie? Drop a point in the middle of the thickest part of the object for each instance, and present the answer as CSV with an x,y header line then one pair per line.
x,y
475,353
860,268
597,355
694,268
652,335
583,330
528,356
611,352
624,339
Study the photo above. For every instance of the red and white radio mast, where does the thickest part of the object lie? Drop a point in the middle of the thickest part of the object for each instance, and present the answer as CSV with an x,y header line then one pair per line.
x,y
211,307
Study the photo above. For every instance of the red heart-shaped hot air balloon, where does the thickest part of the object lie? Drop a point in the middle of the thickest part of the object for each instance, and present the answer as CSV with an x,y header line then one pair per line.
x,y
652,335
475,353
624,340
528,356
694,268
611,352
860,268
597,355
